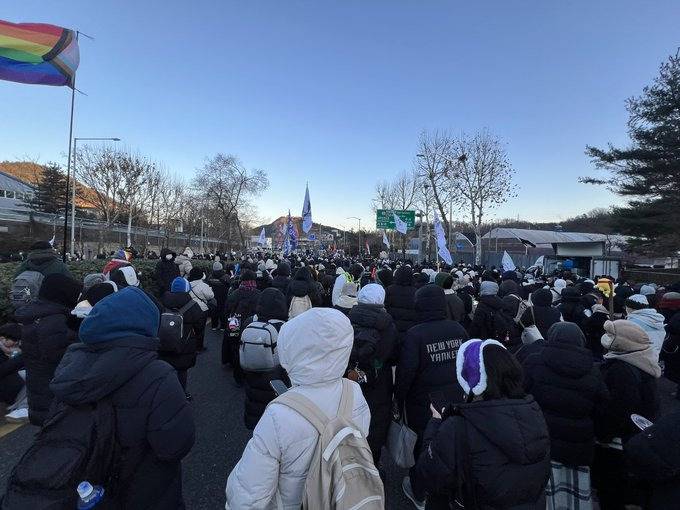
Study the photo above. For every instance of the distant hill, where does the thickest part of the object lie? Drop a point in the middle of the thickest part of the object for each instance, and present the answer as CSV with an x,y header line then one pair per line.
x,y
273,229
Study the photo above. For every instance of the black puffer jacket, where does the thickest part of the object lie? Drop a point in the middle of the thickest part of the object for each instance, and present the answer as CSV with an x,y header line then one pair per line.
x,y
304,285
671,349
427,361
631,391
155,426
282,277
654,456
506,446
490,320
47,330
193,316
374,350
400,300
165,272
270,306
544,314
565,382
243,302
571,307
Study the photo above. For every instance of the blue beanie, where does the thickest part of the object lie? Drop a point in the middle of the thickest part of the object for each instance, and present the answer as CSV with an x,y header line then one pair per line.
x,y
124,314
180,284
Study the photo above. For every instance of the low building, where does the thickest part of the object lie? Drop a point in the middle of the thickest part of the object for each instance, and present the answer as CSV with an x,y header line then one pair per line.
x,y
13,192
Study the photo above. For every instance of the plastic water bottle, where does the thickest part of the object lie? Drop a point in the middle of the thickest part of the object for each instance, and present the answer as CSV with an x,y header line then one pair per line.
x,y
89,496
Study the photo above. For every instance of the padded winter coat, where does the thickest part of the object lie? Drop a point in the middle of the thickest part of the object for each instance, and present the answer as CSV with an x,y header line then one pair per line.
x,y
242,301
155,426
652,323
201,292
568,386
304,285
184,264
427,362
505,446
165,272
490,321
47,330
175,301
653,455
400,300
277,458
44,262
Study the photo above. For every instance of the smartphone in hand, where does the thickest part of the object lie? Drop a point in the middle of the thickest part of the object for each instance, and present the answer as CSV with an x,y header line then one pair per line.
x,y
438,400
278,386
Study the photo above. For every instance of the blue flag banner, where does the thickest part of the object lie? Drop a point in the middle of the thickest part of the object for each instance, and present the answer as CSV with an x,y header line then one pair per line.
x,y
307,213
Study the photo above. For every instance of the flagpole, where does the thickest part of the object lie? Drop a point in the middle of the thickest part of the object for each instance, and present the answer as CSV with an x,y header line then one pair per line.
x,y
68,164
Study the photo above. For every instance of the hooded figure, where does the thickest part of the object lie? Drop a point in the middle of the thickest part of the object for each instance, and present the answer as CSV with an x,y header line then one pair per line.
x,y
400,300
571,306
568,386
428,359
271,306
43,259
490,319
630,371
124,277
282,277
314,349
455,308
651,321
303,284
545,315
183,262
374,353
166,270
499,437
348,298
154,424
48,328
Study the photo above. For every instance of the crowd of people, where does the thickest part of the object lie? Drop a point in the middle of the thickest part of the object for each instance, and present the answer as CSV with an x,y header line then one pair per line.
x,y
496,389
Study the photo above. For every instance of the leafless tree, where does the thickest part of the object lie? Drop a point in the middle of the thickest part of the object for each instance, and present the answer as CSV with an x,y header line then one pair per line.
x,y
482,179
229,187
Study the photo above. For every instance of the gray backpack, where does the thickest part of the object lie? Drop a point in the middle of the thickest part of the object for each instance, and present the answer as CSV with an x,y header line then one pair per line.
x,y
257,350
342,475
25,288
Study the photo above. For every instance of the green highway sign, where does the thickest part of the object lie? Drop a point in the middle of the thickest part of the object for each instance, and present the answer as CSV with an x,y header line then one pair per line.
x,y
384,218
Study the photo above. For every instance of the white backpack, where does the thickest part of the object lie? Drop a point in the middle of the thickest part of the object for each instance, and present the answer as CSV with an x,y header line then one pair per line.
x,y
342,475
257,351
298,306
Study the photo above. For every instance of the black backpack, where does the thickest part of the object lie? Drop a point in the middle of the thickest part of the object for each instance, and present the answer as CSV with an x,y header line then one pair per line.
x,y
171,329
74,445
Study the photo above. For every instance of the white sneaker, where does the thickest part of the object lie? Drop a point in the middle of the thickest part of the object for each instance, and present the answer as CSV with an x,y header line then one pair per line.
x,y
17,416
408,492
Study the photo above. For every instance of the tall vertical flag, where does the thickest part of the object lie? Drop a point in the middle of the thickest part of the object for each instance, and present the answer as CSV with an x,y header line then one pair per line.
x,y
507,263
262,240
386,241
307,213
537,264
290,242
38,54
368,248
399,224
442,250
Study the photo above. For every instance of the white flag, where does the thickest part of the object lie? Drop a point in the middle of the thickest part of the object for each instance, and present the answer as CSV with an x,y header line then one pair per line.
x,y
307,213
262,240
537,264
386,241
441,241
507,263
399,224
52,241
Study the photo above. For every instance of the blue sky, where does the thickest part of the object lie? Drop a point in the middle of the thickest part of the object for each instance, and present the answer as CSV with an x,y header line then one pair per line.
x,y
336,93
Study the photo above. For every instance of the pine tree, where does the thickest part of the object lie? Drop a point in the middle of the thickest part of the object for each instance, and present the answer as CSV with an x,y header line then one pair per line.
x,y
50,192
647,173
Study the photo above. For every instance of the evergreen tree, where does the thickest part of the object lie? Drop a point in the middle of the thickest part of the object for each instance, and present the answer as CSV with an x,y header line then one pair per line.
x,y
50,192
647,173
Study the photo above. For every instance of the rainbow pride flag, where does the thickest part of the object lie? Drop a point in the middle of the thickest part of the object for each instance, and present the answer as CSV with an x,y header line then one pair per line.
x,y
37,53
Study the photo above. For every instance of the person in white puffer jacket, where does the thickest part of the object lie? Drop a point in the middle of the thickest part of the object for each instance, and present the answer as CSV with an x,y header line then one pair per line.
x,y
314,348
651,321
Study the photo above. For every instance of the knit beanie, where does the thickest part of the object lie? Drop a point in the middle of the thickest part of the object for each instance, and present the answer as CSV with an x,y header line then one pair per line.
x,y
180,284
470,368
217,266
91,280
60,289
637,302
372,294
647,290
196,273
541,297
99,291
41,245
488,288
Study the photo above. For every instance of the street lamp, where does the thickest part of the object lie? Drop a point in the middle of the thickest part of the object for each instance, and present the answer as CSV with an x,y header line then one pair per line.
x,y
359,220
73,196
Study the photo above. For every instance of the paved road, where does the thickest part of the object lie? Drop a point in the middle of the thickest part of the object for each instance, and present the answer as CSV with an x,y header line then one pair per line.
x,y
220,437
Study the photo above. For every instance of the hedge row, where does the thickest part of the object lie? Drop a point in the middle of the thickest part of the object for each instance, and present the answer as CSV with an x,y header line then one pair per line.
x,y
79,269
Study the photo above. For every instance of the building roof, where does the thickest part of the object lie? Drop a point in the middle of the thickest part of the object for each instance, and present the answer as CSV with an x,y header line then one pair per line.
x,y
550,237
11,183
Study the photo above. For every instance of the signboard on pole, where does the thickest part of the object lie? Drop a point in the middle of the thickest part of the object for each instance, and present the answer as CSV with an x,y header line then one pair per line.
x,y
384,218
